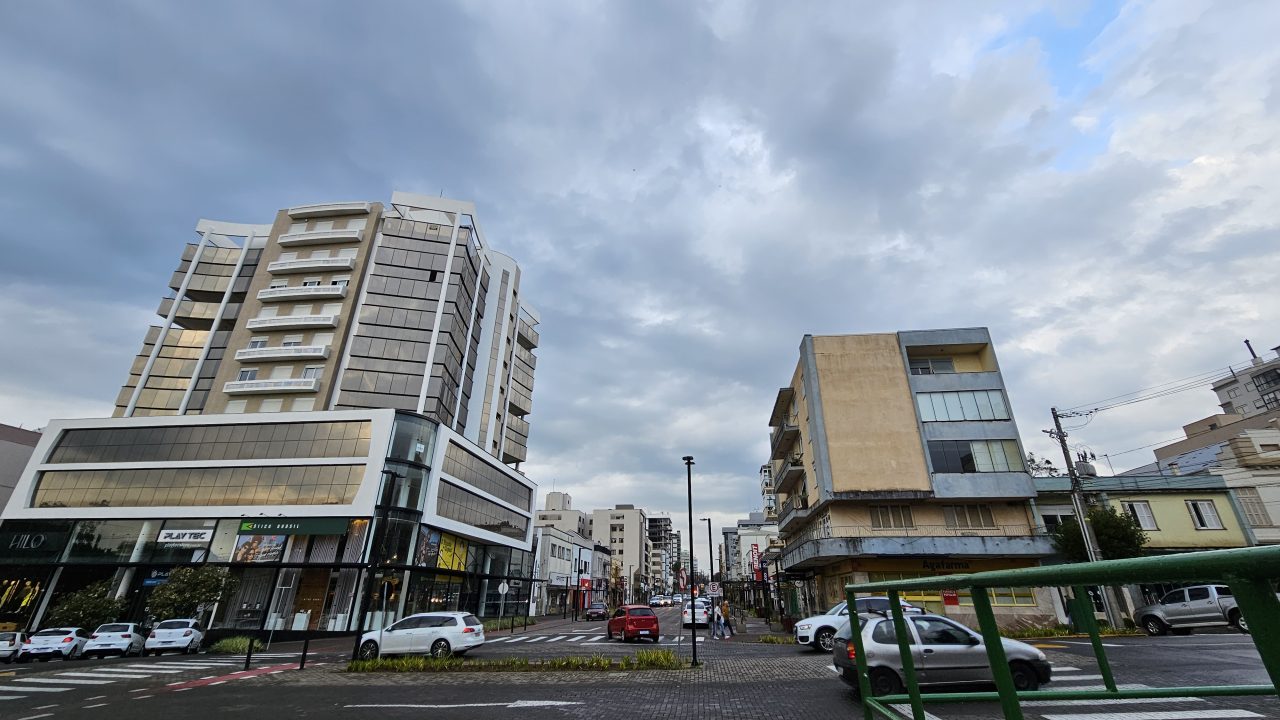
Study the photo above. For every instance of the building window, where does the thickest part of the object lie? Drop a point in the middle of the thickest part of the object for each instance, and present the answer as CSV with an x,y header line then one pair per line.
x,y
1233,392
271,405
887,517
278,284
967,405
311,282
303,405
1204,515
932,366
258,342
247,374
341,281
1140,510
235,407
969,516
291,341
975,456
312,372
1255,511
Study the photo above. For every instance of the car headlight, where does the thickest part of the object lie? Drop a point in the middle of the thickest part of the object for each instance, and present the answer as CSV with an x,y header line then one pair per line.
x,y
803,626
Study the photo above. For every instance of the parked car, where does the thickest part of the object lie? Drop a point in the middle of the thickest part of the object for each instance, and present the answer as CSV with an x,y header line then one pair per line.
x,y
695,613
123,639
183,636
65,642
677,598
819,631
597,611
944,653
1191,607
439,634
633,622
11,645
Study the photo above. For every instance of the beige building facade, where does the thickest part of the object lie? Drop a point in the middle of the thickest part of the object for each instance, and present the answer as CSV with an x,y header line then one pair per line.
x,y
896,455
624,529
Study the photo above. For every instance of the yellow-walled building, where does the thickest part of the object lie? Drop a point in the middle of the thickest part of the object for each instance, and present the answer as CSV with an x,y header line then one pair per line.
x,y
896,455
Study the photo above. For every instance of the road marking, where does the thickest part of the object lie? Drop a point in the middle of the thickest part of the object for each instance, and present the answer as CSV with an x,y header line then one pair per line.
x,y
11,697
143,697
904,709
94,674
1060,668
1077,678
220,682
1157,715
95,697
1074,642
1047,646
124,671
182,689
558,637
34,717
516,639
513,704
28,689
89,707
46,707
537,638
50,681
152,668
576,639
596,638
1109,701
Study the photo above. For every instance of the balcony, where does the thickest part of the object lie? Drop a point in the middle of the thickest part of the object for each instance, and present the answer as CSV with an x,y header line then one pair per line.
x,y
306,292
285,267
519,403
283,385
781,407
302,212
790,477
292,322
817,546
781,440
526,335
794,510
320,237
295,352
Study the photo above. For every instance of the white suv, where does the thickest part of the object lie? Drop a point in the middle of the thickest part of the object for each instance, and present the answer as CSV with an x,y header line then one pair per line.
x,y
819,631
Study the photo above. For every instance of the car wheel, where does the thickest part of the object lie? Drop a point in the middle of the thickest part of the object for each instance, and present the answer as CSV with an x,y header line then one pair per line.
x,y
1154,626
1239,622
884,681
825,639
440,649
369,650
608,634
1024,676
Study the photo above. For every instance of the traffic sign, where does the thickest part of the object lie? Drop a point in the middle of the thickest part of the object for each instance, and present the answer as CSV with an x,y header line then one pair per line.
x,y
503,588
713,589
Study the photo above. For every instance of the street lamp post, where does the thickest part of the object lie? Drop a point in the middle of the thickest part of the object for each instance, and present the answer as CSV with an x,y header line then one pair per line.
x,y
377,555
693,631
631,581
711,576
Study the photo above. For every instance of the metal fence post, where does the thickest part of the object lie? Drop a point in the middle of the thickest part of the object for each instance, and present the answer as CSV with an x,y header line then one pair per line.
x,y
306,645
248,653
1084,614
995,654
1261,612
860,658
904,649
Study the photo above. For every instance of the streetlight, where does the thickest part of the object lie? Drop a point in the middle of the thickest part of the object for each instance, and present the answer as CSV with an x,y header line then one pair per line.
x,y
631,578
378,549
693,633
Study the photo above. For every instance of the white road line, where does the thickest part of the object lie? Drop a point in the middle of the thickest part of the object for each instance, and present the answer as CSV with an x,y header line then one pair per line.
x,y
12,697
149,668
125,671
1058,668
518,638
1076,642
220,682
46,707
35,717
89,707
576,639
1158,715
596,638
904,709
96,676
1109,701
558,637
537,638
1076,678
29,689
50,681
140,690
143,697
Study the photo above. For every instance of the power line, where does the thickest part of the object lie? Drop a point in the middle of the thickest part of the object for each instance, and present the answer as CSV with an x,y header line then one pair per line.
x,y
1196,379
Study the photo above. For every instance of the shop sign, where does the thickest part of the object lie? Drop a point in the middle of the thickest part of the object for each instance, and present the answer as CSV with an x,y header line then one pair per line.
x,y
259,548
950,597
156,577
185,537
33,545
453,552
295,526
755,560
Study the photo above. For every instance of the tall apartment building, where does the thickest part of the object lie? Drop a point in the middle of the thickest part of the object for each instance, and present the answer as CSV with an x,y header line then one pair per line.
x,y
558,512
896,455
1253,390
751,539
625,530
343,387
660,542
343,306
730,569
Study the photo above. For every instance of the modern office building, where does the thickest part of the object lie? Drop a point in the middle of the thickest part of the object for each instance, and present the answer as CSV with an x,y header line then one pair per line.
x,y
16,446
625,530
344,387
896,455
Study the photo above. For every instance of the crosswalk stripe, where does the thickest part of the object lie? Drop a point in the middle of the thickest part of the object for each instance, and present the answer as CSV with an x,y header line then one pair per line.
x,y
10,697
153,668
558,637
905,710
1109,701
113,671
597,638
99,676
518,638
1077,678
51,681
537,638
28,689
1065,669
1159,715
576,638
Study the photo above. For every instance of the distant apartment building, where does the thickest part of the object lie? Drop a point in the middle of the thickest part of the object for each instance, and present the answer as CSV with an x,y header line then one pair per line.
x,y
896,455
1252,390
572,571
767,495
661,539
16,446
345,385
558,512
753,537
624,529
730,567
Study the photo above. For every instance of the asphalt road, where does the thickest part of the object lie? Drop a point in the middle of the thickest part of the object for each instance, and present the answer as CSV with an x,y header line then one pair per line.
x,y
739,680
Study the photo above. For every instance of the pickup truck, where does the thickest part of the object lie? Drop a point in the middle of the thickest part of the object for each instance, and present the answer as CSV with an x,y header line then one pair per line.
x,y
1191,607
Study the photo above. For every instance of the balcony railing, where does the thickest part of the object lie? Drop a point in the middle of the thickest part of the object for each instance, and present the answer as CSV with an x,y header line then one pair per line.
x,y
320,237
284,267
305,292
818,532
290,322
795,502
286,385
294,352
326,209
781,440
527,336
789,476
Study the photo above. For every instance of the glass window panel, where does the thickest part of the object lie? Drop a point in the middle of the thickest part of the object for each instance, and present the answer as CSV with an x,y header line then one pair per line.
x,y
969,406
954,410
982,461
983,399
925,403
1012,456
998,406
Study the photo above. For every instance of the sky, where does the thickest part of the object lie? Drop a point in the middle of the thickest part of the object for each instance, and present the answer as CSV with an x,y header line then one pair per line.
x,y
689,186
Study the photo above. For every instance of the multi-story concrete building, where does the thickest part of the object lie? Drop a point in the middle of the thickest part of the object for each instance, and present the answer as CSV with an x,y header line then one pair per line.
x,y
1252,390
730,568
565,572
896,455
346,306
559,513
16,446
625,530
340,389
767,496
661,538
752,538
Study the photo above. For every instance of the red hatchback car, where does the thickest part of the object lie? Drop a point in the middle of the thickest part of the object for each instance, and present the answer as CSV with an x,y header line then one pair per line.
x,y
632,622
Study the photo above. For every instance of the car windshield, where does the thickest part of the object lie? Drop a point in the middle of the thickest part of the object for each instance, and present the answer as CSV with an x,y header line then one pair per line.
x,y
641,612
174,625
118,628
53,632
597,606
836,609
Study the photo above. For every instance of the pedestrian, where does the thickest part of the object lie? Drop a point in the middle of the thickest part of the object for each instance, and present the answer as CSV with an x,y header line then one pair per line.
x,y
728,619
717,624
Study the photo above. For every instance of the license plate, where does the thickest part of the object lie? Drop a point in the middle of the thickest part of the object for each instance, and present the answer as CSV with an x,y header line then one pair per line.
x,y
644,632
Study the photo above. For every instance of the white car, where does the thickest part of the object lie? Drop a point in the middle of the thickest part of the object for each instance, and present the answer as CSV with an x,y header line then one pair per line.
x,y
183,636
438,634
11,645
819,631
66,643
695,615
122,639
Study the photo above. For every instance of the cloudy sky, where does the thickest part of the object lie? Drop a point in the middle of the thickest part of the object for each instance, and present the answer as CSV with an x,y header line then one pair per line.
x,y
690,186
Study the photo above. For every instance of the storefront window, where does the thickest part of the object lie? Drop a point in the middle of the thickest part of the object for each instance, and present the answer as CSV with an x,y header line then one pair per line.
x,y
182,541
246,610
20,590
405,488
32,541
224,541
109,541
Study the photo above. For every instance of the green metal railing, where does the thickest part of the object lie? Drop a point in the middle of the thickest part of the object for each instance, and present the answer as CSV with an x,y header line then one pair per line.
x,y
1248,572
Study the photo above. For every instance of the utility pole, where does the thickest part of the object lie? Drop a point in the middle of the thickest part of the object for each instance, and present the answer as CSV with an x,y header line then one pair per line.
x,y
693,607
1082,516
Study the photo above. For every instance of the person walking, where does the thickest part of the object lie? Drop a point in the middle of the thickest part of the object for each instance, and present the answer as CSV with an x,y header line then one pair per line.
x,y
717,623
728,619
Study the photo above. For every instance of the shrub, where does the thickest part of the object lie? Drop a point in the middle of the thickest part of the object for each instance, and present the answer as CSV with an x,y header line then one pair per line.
x,y
189,589
88,608
507,622
775,640
236,645
642,660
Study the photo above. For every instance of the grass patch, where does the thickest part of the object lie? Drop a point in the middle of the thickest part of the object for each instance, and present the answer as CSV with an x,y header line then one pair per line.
x,y
235,645
1047,631
642,660
508,622
775,639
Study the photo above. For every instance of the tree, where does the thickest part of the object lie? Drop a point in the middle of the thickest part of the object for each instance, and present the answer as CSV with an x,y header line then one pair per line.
x,y
190,588
1117,534
1040,468
88,607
